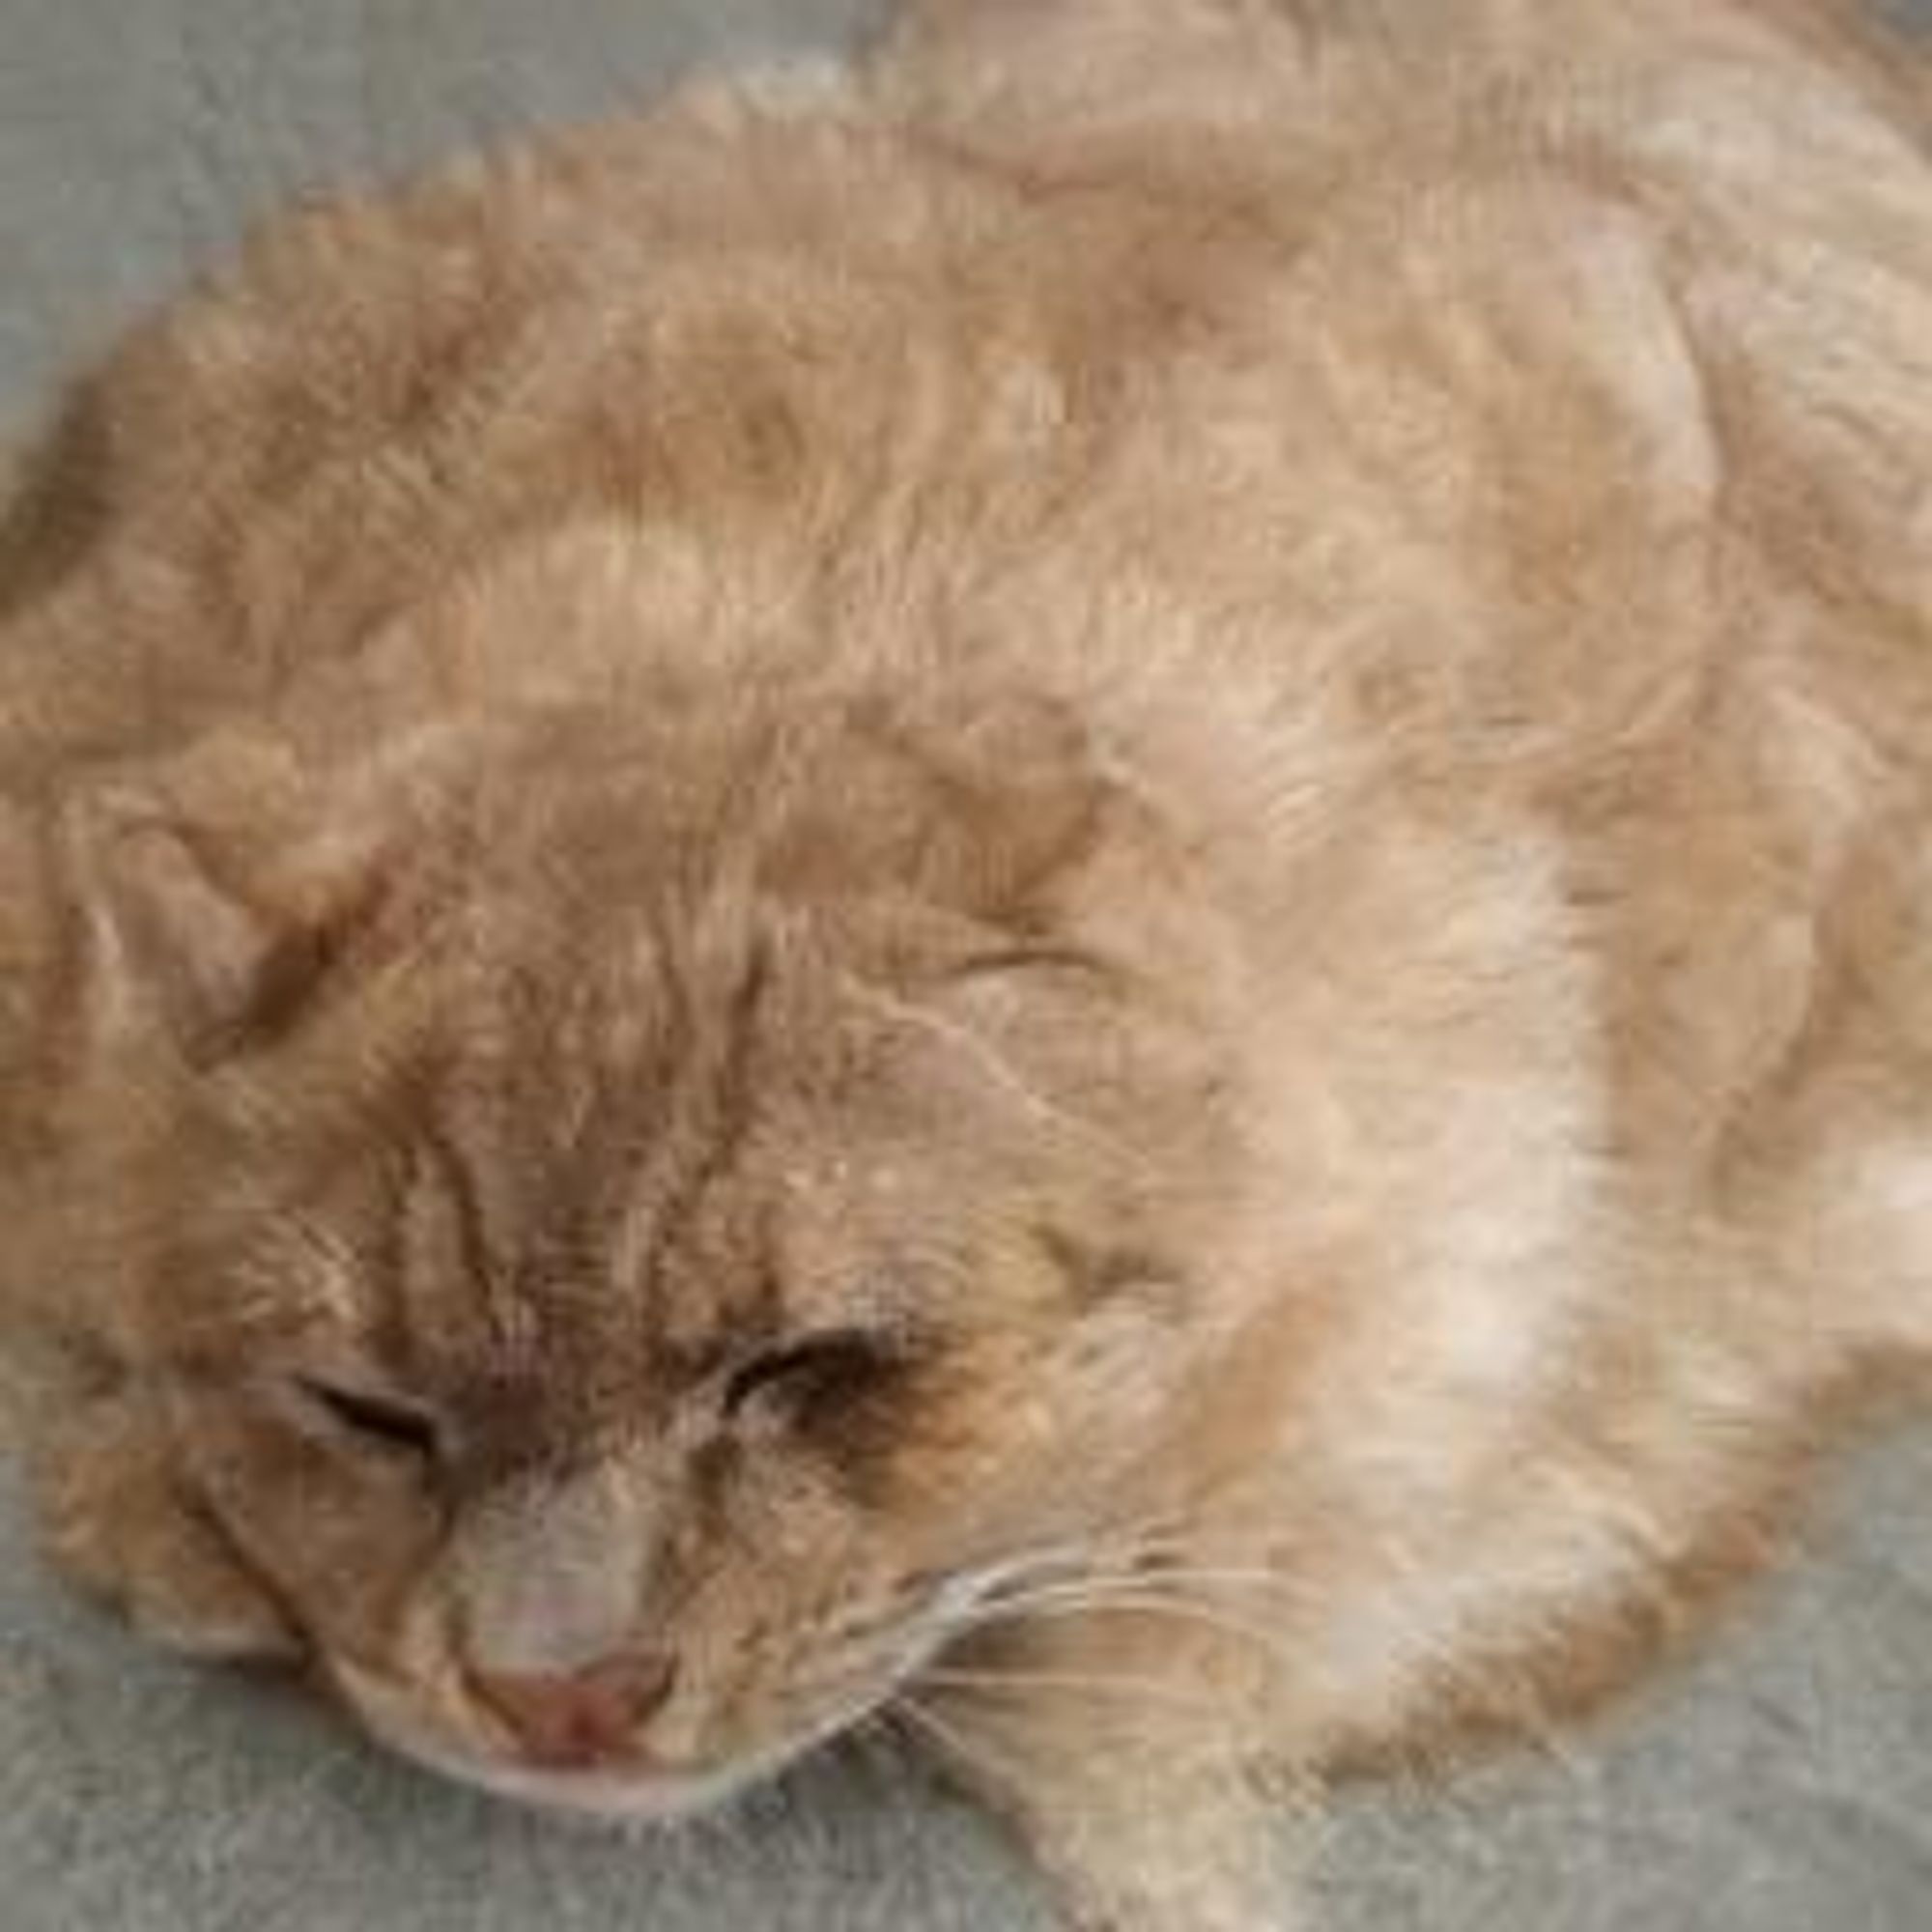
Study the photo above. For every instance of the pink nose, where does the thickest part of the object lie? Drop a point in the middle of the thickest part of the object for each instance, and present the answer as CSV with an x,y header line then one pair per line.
x,y
575,1721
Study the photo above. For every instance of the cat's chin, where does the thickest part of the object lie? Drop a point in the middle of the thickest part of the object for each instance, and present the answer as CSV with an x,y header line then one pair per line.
x,y
617,1797
614,1798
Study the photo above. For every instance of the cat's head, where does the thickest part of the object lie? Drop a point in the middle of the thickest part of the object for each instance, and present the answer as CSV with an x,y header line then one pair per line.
x,y
639,1234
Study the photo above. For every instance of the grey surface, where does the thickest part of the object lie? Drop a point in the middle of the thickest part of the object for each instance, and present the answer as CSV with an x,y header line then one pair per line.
x,y
1782,1786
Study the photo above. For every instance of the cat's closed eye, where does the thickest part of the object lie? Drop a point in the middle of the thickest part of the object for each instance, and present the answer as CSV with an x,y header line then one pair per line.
x,y
812,1373
371,1418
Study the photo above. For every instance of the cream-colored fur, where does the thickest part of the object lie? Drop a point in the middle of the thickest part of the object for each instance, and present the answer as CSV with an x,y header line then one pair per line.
x,y
1078,890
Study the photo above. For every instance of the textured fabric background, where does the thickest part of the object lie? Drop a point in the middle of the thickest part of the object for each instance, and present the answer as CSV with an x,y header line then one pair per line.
x,y
1782,1785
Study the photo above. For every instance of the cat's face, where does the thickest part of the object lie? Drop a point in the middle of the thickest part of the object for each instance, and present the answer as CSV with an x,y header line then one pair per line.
x,y
624,1339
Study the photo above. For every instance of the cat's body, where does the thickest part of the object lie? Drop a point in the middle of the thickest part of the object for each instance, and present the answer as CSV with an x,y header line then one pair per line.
x,y
1090,885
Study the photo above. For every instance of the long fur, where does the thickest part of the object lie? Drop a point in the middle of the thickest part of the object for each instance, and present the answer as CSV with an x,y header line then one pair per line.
x,y
1080,886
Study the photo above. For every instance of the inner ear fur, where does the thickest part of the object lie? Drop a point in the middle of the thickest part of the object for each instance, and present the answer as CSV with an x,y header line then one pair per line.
x,y
219,920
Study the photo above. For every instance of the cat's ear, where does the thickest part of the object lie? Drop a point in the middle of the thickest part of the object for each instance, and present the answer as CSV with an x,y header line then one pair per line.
x,y
219,938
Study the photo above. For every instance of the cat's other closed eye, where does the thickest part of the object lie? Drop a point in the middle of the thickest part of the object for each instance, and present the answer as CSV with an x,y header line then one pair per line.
x,y
812,1374
370,1418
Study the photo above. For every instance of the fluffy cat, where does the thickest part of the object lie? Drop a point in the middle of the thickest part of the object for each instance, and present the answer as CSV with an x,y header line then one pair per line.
x,y
1079,887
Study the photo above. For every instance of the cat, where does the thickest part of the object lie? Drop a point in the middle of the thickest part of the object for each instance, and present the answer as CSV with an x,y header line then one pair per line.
x,y
1073,890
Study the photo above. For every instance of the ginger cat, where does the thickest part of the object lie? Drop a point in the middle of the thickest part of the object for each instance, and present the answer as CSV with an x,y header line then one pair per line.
x,y
1079,889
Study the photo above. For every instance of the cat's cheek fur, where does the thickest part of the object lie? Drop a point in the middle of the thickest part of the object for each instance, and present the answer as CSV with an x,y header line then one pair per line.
x,y
1148,1828
117,1521
1139,1756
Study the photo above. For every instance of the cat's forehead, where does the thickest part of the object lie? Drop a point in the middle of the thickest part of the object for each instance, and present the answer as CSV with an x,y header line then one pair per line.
x,y
692,1156
646,1140
698,1198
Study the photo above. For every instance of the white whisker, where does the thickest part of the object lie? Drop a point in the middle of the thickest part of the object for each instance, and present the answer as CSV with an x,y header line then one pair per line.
x,y
1024,1682
971,1753
1163,1595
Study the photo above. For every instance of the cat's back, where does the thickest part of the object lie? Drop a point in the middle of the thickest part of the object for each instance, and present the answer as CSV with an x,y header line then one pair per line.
x,y
1447,355
975,261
